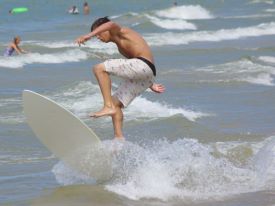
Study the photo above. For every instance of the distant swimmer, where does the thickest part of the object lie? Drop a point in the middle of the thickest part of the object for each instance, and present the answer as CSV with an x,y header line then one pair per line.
x,y
86,8
137,71
73,10
175,3
14,46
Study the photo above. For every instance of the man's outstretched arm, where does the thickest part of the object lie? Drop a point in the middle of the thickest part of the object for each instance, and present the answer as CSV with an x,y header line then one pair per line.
x,y
109,26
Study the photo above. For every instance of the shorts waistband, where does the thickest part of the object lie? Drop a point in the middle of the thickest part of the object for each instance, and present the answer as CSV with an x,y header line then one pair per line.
x,y
150,64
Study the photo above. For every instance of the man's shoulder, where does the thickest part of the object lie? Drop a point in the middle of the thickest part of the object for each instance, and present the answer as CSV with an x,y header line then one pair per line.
x,y
127,31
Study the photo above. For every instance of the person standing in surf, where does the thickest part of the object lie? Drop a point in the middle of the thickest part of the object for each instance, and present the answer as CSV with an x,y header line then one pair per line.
x,y
137,70
86,8
14,46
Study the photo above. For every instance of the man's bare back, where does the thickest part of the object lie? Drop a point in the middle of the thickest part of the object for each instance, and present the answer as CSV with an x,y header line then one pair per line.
x,y
131,45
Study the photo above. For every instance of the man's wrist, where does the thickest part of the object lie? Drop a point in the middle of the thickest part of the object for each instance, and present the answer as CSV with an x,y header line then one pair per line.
x,y
88,36
91,34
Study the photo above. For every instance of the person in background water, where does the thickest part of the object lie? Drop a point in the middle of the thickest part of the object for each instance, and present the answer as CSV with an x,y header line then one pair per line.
x,y
14,46
73,10
137,70
86,8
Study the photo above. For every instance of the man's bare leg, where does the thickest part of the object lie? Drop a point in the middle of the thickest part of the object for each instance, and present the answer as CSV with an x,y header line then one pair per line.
x,y
118,119
104,82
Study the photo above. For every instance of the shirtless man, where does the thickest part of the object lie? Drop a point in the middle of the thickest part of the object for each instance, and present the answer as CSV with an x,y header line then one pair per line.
x,y
137,71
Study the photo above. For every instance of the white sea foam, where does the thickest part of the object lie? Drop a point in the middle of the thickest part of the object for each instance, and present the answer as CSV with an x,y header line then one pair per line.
x,y
261,1
67,176
171,38
185,12
186,169
85,93
54,58
94,45
177,24
265,163
270,10
249,16
239,71
125,14
267,59
85,97
262,79
53,44
141,107
95,164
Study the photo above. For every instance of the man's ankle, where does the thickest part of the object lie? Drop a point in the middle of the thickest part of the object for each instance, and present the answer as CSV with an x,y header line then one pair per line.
x,y
109,105
119,138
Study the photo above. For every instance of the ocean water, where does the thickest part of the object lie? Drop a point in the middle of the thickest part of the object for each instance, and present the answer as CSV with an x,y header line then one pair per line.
x,y
208,140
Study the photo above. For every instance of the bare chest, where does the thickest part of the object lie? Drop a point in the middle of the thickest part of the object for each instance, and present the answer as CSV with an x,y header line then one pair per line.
x,y
127,50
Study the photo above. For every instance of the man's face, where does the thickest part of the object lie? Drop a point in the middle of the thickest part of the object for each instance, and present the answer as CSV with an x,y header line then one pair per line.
x,y
104,36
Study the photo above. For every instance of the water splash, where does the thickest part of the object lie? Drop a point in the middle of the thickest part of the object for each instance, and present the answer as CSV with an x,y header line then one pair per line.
x,y
188,169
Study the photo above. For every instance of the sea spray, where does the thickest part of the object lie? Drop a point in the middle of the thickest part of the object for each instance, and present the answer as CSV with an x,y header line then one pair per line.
x,y
183,169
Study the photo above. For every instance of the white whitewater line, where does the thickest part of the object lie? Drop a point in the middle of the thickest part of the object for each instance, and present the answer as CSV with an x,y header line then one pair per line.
x,y
177,24
54,58
185,12
170,38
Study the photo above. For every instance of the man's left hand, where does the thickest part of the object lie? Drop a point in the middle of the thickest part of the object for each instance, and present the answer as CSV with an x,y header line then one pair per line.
x,y
158,88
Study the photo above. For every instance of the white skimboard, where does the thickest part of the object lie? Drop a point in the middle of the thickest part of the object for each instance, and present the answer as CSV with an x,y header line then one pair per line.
x,y
66,136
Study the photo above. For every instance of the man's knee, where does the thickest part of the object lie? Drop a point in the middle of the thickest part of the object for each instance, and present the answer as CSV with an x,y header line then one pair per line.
x,y
98,69
116,102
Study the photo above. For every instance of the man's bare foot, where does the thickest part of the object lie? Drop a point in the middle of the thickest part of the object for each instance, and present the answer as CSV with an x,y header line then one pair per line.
x,y
105,111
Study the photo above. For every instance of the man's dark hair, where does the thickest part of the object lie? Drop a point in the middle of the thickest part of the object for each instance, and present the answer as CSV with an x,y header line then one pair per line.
x,y
99,22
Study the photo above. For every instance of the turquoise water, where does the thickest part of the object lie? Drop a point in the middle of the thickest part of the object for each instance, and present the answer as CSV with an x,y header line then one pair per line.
x,y
208,140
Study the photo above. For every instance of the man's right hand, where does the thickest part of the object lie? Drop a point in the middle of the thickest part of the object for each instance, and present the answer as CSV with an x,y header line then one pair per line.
x,y
82,39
